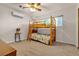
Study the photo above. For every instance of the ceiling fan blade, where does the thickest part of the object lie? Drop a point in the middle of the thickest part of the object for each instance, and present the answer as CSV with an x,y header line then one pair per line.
x,y
26,7
38,9
20,6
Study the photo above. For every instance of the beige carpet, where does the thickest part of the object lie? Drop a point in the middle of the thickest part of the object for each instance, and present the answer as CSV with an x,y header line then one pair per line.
x,y
26,48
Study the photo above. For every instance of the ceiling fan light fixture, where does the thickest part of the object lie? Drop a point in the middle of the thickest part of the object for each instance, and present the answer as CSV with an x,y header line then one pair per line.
x,y
32,9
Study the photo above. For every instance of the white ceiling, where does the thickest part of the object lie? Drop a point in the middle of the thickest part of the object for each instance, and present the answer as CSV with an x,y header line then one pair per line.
x,y
46,7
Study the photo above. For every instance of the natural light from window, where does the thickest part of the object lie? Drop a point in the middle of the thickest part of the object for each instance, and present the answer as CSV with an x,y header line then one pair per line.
x,y
59,21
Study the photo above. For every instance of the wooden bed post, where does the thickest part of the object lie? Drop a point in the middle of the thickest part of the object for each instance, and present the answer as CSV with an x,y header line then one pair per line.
x,y
30,31
51,34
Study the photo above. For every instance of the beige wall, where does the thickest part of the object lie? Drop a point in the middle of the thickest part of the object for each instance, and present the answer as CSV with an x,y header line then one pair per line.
x,y
8,24
77,24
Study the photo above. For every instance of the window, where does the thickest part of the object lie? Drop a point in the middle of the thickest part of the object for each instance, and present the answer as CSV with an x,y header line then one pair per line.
x,y
59,21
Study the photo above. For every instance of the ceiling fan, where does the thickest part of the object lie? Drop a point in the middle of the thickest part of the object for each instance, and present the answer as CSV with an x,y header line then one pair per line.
x,y
33,6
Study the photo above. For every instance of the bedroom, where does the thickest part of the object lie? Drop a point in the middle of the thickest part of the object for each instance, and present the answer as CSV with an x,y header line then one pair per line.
x,y
66,30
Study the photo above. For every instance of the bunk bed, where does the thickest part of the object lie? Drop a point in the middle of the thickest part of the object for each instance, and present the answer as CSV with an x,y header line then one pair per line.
x,y
48,39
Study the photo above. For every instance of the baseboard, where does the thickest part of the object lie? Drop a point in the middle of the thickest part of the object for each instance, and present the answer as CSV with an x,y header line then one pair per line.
x,y
66,43
8,42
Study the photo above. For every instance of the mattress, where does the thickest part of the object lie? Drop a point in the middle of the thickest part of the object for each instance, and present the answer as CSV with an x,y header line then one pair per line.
x,y
41,37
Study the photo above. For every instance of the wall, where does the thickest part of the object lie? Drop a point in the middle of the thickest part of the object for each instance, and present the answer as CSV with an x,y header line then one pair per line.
x,y
77,26
67,33
8,24
69,25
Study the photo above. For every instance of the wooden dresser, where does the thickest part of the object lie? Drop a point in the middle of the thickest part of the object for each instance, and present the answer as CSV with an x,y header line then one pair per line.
x,y
6,50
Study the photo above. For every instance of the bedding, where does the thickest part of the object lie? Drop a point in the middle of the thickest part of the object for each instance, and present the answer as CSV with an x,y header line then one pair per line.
x,y
41,37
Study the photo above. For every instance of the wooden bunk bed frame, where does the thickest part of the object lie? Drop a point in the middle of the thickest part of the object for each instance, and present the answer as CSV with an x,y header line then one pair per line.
x,y
50,26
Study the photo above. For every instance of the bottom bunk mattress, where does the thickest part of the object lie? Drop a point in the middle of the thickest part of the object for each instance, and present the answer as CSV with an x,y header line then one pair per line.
x,y
41,37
